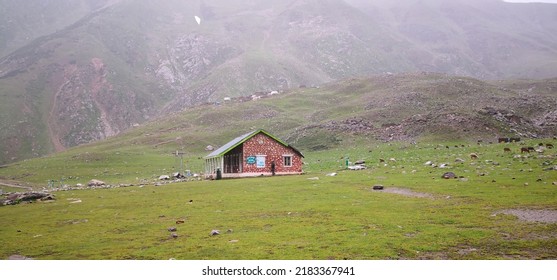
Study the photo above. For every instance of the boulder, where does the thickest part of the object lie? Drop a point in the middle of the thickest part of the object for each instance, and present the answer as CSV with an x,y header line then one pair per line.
x,y
164,177
96,183
448,175
378,187
214,232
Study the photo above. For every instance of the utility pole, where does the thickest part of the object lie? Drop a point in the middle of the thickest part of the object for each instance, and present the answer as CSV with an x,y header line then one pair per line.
x,y
181,155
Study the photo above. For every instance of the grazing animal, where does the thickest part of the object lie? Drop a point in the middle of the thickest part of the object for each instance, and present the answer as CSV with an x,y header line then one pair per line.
x,y
506,149
531,149
524,150
473,156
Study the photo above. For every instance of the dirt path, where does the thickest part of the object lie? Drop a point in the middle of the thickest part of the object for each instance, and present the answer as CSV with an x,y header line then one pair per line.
x,y
13,185
51,123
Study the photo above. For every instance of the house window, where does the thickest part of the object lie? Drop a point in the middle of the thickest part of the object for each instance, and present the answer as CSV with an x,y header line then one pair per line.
x,y
287,160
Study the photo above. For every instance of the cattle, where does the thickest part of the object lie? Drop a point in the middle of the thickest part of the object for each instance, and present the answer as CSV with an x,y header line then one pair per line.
x,y
506,149
524,150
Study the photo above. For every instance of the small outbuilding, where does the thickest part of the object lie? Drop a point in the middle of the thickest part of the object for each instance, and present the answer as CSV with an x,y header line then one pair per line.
x,y
257,153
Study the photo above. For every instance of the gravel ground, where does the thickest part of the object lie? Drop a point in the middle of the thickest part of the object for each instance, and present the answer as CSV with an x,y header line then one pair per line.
x,y
543,216
406,192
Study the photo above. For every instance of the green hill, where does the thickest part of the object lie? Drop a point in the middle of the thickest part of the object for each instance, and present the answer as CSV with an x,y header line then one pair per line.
x,y
353,113
73,73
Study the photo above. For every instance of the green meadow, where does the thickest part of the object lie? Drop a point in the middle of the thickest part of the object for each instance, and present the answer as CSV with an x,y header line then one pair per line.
x,y
311,216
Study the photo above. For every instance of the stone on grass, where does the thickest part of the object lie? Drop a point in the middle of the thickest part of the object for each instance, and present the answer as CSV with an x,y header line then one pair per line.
x,y
96,183
214,232
448,175
378,187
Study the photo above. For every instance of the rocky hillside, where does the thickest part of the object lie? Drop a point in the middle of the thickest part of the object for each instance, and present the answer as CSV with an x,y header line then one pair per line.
x,y
73,72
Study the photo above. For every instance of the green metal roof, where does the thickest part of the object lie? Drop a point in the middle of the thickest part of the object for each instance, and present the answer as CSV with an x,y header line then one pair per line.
x,y
243,138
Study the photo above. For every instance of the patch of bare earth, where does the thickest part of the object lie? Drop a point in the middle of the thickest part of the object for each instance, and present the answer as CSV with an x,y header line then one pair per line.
x,y
405,192
529,215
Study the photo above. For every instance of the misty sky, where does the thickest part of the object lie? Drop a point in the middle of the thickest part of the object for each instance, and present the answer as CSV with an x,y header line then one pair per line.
x,y
529,1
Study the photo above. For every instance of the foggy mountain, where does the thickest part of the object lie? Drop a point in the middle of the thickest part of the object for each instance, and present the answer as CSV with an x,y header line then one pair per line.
x,y
76,71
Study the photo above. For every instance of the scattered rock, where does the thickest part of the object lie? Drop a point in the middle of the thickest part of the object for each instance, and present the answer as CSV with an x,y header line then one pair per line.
x,y
332,174
214,232
174,235
554,183
378,187
229,230
164,177
360,162
16,198
181,221
172,229
313,178
233,241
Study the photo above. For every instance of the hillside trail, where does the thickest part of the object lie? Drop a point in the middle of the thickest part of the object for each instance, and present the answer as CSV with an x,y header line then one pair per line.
x,y
51,123
12,184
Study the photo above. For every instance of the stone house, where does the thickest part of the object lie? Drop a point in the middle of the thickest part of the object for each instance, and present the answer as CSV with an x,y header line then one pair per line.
x,y
257,153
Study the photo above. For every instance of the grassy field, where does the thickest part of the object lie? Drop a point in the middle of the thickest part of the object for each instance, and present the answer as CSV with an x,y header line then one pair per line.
x,y
298,217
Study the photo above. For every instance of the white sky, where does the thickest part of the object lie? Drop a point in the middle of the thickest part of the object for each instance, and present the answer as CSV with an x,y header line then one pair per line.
x,y
528,1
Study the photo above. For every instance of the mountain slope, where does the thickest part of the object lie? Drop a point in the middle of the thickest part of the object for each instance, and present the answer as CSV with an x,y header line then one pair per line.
x,y
353,113
110,65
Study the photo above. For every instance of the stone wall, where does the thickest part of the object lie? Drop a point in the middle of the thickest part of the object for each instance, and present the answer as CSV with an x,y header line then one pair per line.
x,y
263,145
